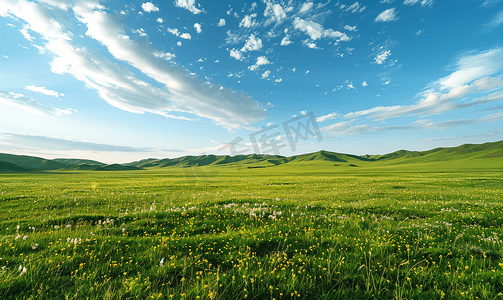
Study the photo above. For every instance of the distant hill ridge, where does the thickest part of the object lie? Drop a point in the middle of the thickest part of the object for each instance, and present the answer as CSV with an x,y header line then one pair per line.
x,y
23,163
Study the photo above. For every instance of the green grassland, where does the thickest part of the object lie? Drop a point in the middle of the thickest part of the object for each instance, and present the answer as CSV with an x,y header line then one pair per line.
x,y
408,225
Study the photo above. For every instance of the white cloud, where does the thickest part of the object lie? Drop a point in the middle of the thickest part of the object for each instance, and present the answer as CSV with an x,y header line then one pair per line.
x,y
119,86
140,32
261,60
316,31
355,7
166,56
306,7
44,91
22,102
221,23
149,7
387,16
266,74
381,57
174,31
188,4
420,32
309,45
472,66
248,21
236,54
252,44
423,2
160,20
275,12
441,95
496,21
327,117
286,41
345,128
278,80
45,142
179,43
364,83
197,26
350,28
186,36
61,4
489,3
253,6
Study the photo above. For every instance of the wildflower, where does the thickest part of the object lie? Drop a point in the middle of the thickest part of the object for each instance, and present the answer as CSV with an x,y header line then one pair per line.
x,y
22,269
162,262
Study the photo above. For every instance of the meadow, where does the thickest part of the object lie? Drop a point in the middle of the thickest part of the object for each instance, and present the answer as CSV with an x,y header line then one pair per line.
x,y
306,231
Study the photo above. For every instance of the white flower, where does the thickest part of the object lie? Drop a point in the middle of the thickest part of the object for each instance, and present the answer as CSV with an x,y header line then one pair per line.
x,y
162,262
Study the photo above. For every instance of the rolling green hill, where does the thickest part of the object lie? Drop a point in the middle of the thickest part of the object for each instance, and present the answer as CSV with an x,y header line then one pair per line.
x,y
10,167
487,155
31,162
76,162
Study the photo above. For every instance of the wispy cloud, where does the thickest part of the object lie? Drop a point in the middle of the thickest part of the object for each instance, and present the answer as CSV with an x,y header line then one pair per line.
x,y
387,16
43,90
116,84
23,141
496,21
330,116
28,104
470,76
461,137
348,128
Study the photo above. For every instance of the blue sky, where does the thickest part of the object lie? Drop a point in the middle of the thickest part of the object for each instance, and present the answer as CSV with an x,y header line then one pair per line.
x,y
118,81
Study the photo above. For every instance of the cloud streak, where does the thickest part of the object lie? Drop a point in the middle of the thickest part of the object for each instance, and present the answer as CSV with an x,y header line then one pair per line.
x,y
28,104
56,144
44,91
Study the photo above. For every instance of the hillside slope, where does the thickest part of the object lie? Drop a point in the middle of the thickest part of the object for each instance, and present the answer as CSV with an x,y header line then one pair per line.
x,y
479,155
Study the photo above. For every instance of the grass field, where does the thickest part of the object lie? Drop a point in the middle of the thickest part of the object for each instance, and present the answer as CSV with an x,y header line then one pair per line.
x,y
310,230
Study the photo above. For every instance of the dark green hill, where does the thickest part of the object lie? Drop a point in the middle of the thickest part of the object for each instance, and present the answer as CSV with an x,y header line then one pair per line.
x,y
10,167
116,167
468,153
32,162
76,162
